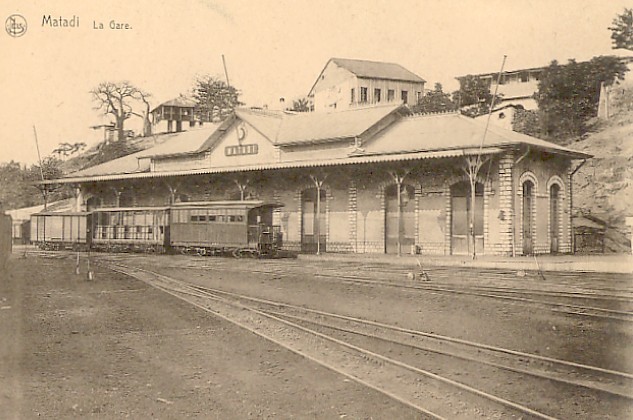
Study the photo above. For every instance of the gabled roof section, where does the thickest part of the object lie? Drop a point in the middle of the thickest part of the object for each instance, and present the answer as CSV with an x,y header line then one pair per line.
x,y
170,143
378,70
317,127
286,128
372,70
179,101
428,132
268,123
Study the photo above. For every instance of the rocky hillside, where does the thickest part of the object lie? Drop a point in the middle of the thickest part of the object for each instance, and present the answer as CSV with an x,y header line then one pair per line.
x,y
603,187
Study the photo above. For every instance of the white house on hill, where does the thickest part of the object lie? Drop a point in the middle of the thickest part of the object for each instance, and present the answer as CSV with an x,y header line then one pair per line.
x,y
345,83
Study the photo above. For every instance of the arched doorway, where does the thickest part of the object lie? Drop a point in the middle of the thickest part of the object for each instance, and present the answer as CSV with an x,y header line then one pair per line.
x,y
399,228
461,242
313,227
554,217
527,217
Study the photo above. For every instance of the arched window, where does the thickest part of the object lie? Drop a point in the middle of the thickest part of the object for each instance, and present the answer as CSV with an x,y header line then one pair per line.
x,y
554,217
528,217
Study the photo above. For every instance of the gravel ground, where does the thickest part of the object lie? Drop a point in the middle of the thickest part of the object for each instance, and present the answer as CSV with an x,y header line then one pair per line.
x,y
596,342
114,348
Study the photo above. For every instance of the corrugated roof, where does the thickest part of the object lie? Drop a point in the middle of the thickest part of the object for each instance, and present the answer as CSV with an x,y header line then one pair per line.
x,y
170,143
181,142
407,138
264,121
25,213
283,128
311,163
451,131
316,126
377,70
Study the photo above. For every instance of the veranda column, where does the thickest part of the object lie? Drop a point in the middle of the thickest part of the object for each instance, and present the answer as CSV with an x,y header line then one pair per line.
x,y
352,214
506,206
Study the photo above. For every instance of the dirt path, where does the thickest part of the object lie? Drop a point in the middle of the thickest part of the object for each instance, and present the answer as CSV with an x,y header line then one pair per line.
x,y
114,348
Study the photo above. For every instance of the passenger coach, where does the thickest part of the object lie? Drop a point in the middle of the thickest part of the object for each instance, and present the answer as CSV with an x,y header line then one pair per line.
x,y
239,228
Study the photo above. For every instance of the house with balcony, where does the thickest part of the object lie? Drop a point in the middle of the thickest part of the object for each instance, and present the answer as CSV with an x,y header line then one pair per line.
x,y
173,112
347,83
516,87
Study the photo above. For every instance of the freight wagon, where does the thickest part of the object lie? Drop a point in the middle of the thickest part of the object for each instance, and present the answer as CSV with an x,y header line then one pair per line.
x,y
57,231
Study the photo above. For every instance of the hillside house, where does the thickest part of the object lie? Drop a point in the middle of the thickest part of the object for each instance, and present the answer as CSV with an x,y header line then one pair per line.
x,y
516,87
345,83
174,111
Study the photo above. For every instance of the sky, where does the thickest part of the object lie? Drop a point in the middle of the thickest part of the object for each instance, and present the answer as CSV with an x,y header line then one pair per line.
x,y
272,49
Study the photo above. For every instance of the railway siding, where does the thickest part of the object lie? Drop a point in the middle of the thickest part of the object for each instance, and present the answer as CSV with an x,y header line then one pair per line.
x,y
372,368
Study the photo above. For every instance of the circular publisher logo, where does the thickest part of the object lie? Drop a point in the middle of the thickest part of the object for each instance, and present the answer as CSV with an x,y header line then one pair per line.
x,y
15,25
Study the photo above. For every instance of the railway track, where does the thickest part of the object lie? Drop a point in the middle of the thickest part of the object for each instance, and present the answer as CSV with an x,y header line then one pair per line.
x,y
582,304
587,304
364,351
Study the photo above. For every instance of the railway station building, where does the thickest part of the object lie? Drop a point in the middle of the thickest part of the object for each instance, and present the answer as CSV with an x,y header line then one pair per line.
x,y
368,179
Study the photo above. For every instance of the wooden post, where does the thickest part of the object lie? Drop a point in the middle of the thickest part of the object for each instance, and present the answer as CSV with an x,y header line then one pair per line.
x,y
472,166
399,180
317,222
242,185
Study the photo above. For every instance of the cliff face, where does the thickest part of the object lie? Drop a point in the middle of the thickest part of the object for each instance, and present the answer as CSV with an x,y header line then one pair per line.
x,y
603,187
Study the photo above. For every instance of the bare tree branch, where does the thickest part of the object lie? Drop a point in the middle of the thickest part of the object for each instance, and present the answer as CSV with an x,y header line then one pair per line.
x,y
117,99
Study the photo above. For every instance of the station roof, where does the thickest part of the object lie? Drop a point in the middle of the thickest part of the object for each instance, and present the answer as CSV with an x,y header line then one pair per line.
x,y
167,144
285,129
385,133
452,131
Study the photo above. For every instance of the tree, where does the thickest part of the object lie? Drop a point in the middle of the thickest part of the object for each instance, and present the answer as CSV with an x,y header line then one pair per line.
x,y
21,184
15,192
68,149
51,168
435,101
622,30
116,99
147,125
568,95
473,95
215,100
301,105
